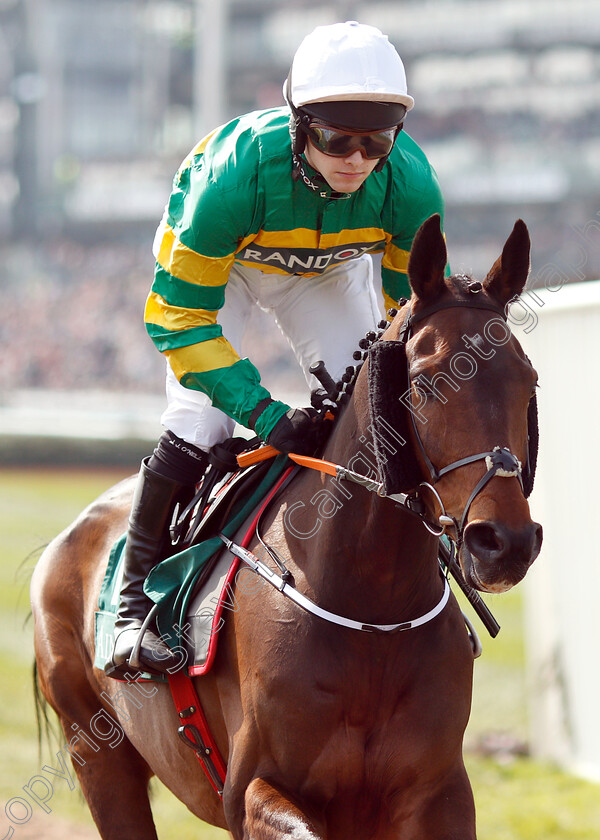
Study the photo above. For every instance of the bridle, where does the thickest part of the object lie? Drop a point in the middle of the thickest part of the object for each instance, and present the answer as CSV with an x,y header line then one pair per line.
x,y
499,461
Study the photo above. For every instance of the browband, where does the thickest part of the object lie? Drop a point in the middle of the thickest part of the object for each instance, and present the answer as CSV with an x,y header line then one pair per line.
x,y
474,303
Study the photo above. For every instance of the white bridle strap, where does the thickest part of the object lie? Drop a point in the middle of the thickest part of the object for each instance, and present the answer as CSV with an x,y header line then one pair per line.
x,y
306,604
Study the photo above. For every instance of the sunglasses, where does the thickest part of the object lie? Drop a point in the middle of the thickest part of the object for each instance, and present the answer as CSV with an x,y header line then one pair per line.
x,y
332,141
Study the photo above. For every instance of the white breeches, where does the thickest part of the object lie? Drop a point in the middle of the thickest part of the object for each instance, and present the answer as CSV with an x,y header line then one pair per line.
x,y
322,318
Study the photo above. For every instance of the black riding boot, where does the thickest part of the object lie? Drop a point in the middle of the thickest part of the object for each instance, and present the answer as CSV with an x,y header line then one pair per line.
x,y
154,498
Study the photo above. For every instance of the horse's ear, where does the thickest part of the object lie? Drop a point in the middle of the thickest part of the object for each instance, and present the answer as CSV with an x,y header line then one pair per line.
x,y
428,259
508,275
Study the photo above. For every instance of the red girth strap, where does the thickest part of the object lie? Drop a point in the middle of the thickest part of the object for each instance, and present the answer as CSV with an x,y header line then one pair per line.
x,y
194,730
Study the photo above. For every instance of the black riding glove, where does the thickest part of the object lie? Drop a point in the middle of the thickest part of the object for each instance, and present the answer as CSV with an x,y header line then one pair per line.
x,y
300,430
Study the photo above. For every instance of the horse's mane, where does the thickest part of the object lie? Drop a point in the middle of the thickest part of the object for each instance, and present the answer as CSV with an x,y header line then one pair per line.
x,y
388,381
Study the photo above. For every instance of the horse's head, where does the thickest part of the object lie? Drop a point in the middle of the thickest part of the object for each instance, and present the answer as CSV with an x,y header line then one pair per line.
x,y
469,395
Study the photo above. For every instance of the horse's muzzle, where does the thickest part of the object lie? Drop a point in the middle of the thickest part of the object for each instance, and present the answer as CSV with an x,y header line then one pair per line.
x,y
494,557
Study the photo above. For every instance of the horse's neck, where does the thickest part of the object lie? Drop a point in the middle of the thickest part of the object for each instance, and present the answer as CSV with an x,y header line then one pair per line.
x,y
368,549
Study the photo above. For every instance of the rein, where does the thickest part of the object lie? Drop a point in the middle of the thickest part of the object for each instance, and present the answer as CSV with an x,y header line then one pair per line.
x,y
409,501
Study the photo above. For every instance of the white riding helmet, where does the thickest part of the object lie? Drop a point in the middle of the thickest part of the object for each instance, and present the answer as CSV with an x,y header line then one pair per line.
x,y
349,62
346,75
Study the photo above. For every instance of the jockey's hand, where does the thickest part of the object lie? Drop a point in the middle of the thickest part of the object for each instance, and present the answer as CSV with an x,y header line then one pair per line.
x,y
300,430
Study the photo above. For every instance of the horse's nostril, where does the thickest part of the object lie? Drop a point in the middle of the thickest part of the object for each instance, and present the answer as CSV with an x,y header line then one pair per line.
x,y
484,541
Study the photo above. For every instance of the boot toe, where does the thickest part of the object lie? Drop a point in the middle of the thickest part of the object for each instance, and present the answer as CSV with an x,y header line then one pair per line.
x,y
125,641
154,655
157,656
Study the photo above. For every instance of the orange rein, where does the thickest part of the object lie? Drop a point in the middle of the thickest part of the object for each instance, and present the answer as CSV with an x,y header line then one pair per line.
x,y
245,459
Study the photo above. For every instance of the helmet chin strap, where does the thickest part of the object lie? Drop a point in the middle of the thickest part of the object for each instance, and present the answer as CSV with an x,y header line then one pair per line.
x,y
299,173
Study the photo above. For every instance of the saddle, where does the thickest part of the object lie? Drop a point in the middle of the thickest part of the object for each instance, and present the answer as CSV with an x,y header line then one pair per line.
x,y
226,497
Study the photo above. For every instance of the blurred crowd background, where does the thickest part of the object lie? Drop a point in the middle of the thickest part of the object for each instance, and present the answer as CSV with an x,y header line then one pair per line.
x,y
101,99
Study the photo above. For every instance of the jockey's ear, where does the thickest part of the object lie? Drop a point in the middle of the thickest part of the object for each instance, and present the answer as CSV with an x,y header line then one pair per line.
x,y
507,277
428,259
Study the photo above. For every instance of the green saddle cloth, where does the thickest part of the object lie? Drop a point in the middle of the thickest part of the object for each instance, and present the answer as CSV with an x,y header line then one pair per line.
x,y
170,583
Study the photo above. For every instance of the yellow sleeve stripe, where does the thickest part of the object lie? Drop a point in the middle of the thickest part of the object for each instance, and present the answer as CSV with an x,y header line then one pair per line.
x,y
390,303
395,258
176,318
199,358
188,265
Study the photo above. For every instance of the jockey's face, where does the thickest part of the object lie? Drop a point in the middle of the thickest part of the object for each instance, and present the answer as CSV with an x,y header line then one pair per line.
x,y
343,174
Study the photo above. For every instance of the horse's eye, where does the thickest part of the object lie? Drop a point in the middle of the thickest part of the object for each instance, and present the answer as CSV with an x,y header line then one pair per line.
x,y
425,388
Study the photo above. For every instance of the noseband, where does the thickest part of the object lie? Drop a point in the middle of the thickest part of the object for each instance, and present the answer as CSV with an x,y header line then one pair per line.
x,y
499,461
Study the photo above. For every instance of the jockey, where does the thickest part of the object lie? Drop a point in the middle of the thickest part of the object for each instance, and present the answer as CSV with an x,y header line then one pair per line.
x,y
279,208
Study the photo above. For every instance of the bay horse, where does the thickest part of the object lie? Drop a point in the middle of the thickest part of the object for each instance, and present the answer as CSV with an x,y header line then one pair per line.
x,y
330,733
